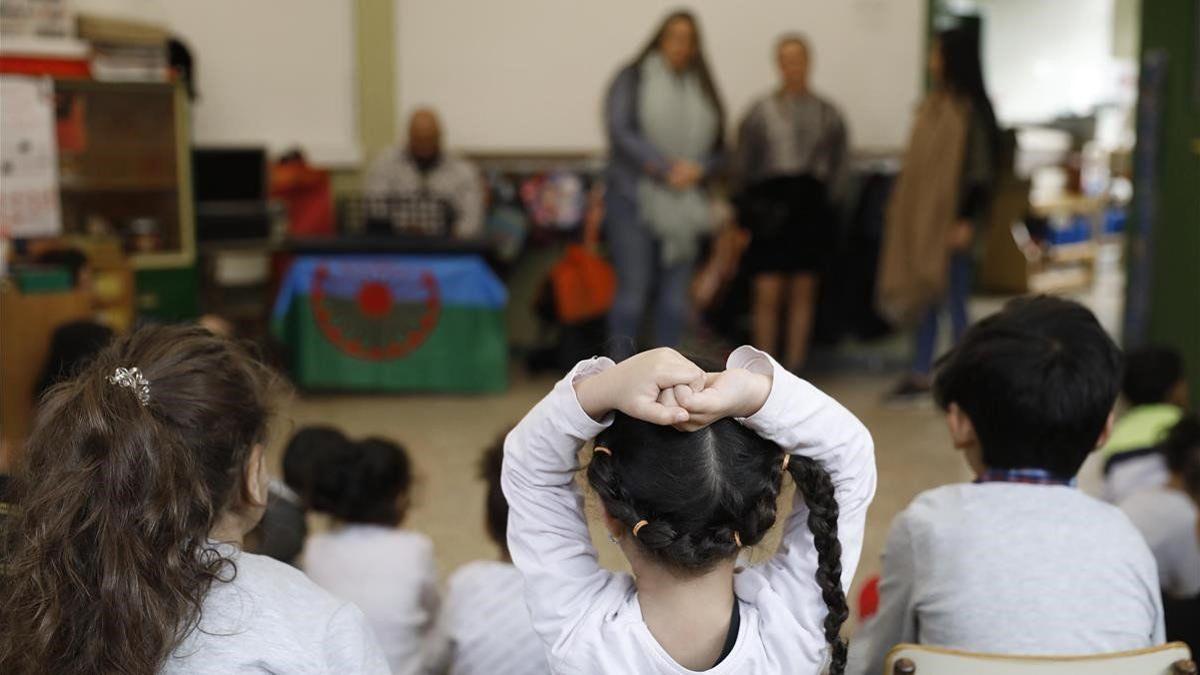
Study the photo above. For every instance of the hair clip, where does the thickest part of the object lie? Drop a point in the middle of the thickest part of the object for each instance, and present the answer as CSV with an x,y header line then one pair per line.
x,y
787,457
639,526
737,539
601,448
134,380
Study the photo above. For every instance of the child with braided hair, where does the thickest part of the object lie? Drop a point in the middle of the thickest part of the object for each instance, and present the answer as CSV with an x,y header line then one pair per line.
x,y
688,466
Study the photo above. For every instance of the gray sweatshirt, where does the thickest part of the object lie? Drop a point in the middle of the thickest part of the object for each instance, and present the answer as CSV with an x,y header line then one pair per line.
x,y
1012,568
271,619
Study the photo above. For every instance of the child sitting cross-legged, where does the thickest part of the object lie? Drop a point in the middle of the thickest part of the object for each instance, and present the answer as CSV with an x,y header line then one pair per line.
x,y
484,626
688,467
1019,561
366,557
1169,517
142,478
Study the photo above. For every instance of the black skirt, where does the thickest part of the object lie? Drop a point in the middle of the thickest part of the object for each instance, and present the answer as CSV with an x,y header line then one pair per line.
x,y
791,224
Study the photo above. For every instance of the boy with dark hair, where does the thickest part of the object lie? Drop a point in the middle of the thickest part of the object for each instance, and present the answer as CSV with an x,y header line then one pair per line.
x,y
1155,388
485,626
1019,561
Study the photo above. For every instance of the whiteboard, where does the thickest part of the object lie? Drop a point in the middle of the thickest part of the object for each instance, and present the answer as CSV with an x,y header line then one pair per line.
x,y
279,73
530,75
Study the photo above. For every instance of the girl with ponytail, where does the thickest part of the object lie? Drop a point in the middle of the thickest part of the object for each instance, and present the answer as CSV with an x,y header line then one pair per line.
x,y
142,476
688,467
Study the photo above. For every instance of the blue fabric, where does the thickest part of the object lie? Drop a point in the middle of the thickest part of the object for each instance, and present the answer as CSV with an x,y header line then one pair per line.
x,y
1030,476
636,260
462,280
957,293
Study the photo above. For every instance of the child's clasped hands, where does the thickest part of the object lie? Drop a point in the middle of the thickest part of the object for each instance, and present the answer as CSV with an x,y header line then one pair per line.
x,y
663,387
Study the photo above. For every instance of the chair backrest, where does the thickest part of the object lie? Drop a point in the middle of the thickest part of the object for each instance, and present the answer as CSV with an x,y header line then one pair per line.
x,y
1169,659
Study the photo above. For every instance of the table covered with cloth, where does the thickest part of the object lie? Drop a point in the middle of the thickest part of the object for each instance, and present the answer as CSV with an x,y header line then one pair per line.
x,y
393,323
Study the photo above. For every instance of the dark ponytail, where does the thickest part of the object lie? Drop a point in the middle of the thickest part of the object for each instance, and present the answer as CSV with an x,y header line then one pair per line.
x,y
705,494
107,560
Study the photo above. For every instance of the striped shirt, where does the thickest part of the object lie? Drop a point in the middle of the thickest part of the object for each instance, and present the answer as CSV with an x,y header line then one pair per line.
x,y
786,135
484,628
453,179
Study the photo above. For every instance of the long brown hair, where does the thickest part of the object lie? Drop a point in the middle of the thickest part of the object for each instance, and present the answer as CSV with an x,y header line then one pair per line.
x,y
108,560
699,64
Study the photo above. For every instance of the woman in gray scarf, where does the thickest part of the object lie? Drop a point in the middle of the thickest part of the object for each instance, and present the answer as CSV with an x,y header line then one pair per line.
x,y
664,121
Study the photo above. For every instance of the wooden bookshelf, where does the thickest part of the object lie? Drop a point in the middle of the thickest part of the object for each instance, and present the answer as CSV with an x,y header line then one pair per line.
x,y
125,158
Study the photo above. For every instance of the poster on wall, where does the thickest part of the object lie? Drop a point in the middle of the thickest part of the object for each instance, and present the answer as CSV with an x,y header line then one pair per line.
x,y
29,205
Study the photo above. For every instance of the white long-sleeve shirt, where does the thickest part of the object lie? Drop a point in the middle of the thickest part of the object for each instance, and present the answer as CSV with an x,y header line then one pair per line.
x,y
590,619
387,572
270,618
484,626
1012,568
1167,518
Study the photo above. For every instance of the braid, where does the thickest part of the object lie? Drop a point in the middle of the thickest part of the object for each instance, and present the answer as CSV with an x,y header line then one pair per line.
x,y
705,494
602,474
690,550
815,486
761,516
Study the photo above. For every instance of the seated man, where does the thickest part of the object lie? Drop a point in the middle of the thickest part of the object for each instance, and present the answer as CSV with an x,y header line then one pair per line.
x,y
1019,561
426,178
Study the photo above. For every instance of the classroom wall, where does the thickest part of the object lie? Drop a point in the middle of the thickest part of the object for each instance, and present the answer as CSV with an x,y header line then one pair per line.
x,y
279,73
530,75
1048,59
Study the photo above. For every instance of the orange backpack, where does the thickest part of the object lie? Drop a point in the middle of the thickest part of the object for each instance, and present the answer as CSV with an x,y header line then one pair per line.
x,y
583,285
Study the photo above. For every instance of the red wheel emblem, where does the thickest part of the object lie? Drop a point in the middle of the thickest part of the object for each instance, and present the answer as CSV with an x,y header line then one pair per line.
x,y
375,312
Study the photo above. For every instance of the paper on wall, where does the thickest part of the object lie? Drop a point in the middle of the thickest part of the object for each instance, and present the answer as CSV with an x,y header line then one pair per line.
x,y
29,202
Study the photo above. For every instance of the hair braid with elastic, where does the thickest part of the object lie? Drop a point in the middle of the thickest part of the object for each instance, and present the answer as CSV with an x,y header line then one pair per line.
x,y
697,490
693,550
816,488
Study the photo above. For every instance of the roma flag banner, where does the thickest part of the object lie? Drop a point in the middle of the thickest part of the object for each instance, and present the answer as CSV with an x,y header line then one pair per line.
x,y
394,323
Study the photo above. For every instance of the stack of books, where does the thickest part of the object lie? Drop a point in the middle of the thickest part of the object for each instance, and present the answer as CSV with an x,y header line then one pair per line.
x,y
126,51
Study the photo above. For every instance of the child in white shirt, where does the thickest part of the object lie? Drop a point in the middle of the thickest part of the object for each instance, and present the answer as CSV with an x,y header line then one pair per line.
x,y
1168,517
366,557
681,503
142,477
484,626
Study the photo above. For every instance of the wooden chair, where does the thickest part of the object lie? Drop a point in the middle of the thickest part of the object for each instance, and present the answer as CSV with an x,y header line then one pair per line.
x,y
1170,659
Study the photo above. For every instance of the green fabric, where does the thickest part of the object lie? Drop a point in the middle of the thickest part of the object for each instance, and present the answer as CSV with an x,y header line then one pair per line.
x,y
168,294
466,352
1141,427
676,116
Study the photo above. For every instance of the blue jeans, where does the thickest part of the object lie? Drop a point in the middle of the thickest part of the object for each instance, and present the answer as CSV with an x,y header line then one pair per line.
x,y
637,260
957,292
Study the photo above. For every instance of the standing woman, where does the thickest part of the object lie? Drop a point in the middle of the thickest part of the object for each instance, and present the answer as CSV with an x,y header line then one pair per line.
x,y
664,121
943,194
791,154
